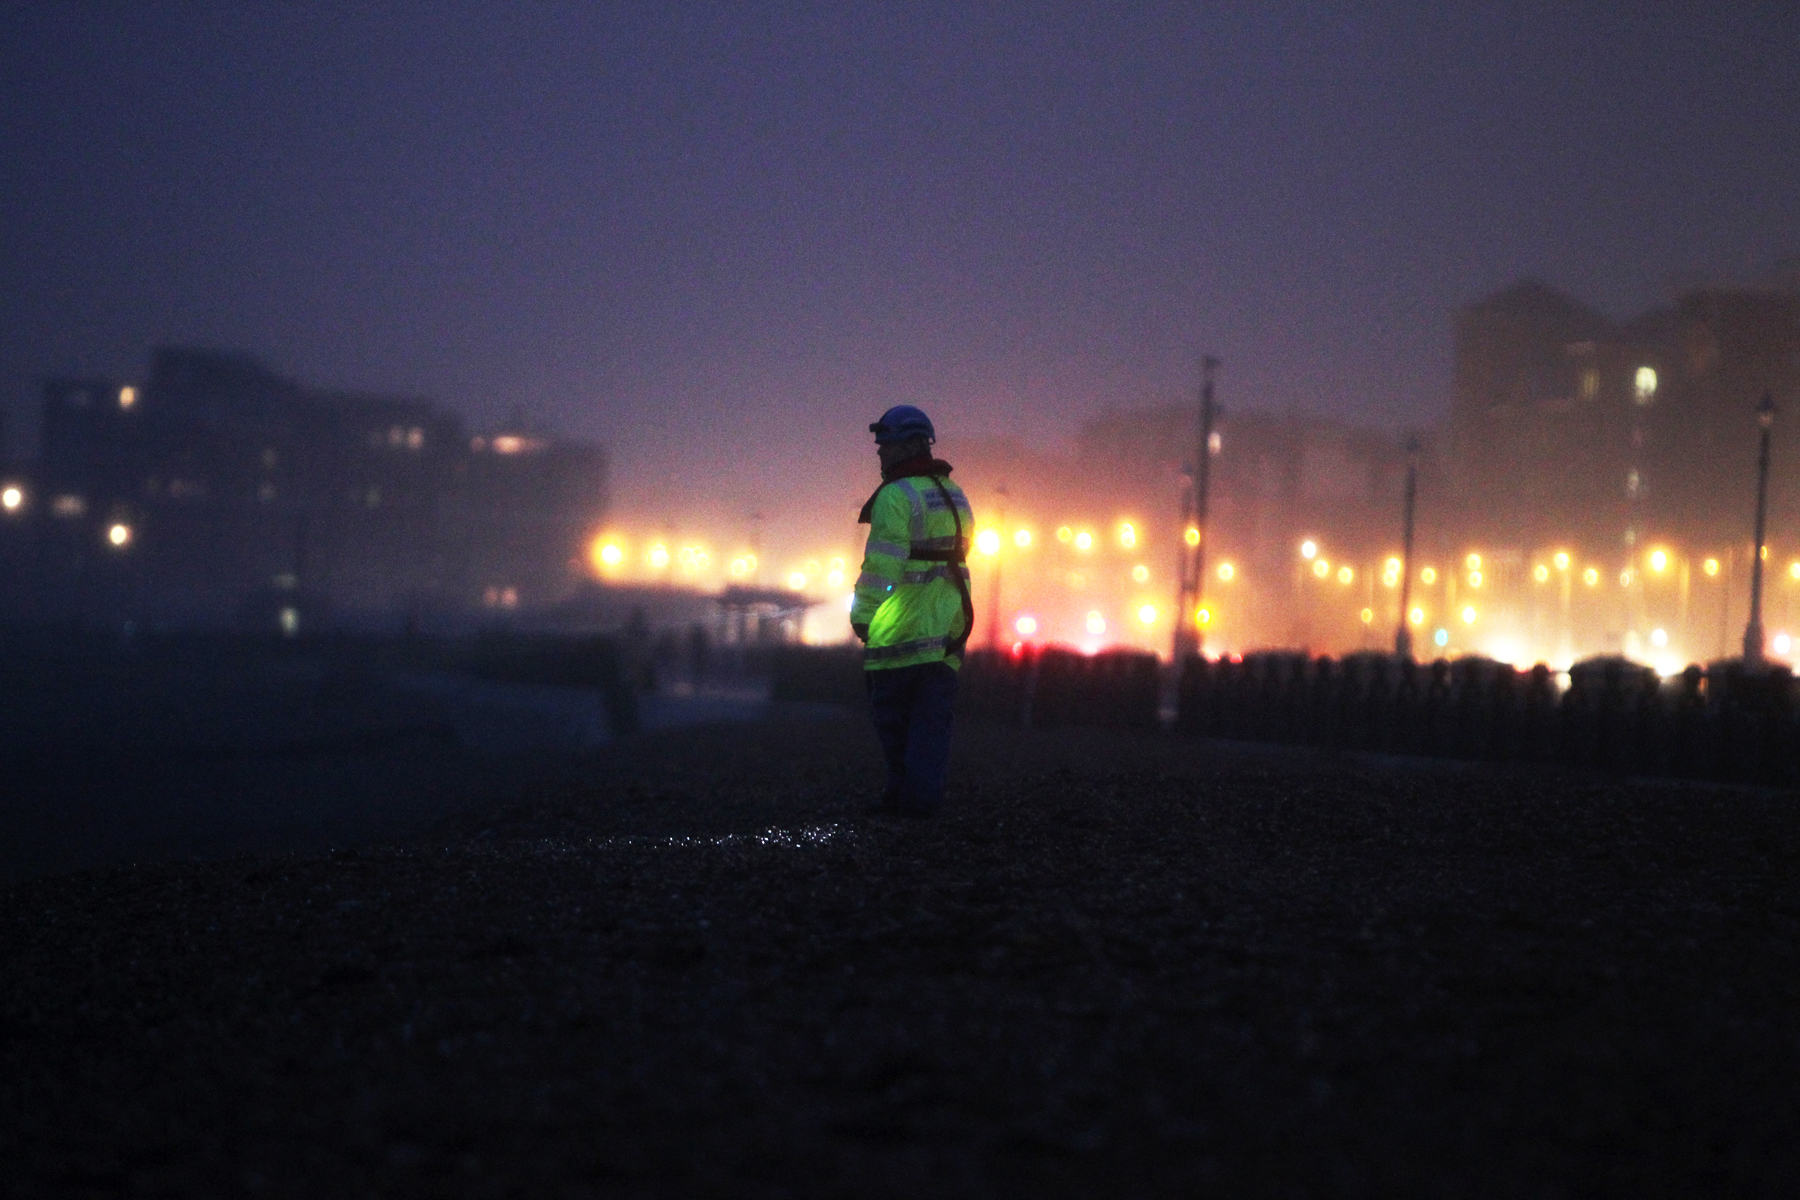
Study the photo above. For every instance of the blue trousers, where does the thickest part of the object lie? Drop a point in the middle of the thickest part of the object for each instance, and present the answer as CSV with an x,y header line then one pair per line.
x,y
911,706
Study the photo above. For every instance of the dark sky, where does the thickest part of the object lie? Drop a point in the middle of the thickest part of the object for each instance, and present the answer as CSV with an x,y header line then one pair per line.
x,y
722,237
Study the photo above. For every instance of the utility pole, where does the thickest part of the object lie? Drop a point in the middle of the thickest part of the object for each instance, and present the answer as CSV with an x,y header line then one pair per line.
x,y
1403,635
1188,638
1753,632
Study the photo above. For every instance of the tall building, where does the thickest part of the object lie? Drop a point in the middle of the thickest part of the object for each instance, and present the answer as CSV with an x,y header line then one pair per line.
x,y
1568,428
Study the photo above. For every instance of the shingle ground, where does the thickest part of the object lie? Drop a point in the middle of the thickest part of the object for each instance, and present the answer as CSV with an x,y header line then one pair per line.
x,y
1120,964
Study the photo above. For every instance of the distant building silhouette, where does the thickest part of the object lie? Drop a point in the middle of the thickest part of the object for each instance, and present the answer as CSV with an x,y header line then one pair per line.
x,y
1567,427
216,486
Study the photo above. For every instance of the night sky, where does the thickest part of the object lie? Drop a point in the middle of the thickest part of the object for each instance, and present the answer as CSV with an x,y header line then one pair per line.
x,y
722,238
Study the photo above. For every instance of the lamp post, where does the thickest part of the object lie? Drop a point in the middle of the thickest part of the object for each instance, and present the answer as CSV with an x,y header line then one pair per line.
x,y
1753,632
993,629
1193,567
1403,635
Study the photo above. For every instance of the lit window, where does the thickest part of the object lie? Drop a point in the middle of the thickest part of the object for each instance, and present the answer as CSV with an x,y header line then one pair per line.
x,y
1643,385
68,506
1215,442
127,397
1590,384
290,622
1710,566
1794,569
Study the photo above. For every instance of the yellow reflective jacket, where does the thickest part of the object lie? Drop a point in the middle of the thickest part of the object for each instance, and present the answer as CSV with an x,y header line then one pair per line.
x,y
913,591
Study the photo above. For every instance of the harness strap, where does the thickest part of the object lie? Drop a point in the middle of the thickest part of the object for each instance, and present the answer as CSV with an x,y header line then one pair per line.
x,y
955,645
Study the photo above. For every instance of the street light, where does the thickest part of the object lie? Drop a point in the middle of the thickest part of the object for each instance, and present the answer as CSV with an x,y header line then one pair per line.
x,y
1753,630
1403,635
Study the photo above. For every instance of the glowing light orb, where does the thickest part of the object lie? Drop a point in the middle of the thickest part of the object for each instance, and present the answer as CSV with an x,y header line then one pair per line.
x,y
1084,541
1096,624
119,534
1345,574
1140,573
1025,626
1309,549
1147,614
1227,572
988,541
1022,538
1321,568
1468,615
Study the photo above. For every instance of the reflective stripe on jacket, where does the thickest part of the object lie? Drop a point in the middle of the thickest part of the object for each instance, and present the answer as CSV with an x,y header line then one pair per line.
x,y
912,605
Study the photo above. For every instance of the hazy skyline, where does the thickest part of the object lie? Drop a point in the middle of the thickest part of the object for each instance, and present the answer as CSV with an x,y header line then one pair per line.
x,y
720,238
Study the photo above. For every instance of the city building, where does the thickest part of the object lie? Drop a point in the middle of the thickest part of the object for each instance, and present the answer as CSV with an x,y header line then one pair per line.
x,y
216,490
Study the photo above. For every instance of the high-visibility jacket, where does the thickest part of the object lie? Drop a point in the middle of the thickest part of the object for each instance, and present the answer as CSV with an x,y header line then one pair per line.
x,y
913,592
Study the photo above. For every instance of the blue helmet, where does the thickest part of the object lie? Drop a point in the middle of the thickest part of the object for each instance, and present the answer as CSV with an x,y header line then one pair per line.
x,y
902,423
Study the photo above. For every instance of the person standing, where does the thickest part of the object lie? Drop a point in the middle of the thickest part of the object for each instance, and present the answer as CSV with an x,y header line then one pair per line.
x,y
912,609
